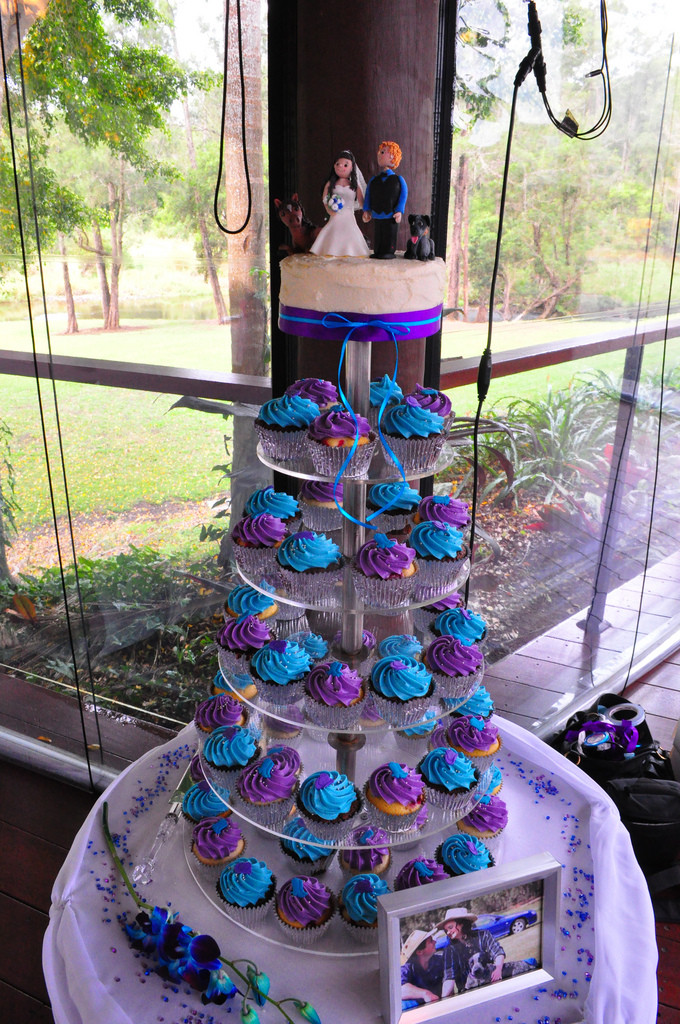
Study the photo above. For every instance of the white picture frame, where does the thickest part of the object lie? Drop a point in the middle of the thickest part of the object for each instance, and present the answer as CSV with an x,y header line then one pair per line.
x,y
522,897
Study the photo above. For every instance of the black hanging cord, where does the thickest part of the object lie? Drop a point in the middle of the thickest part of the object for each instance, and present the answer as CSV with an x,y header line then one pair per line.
x,y
22,239
246,169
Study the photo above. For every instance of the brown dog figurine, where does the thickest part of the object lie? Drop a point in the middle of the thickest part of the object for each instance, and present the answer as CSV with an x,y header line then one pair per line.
x,y
302,231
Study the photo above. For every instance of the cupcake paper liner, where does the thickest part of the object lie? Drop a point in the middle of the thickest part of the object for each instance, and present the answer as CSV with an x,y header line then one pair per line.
x,y
394,823
373,590
454,803
402,713
437,578
319,518
416,454
336,831
254,562
233,663
283,445
329,461
316,588
304,937
387,522
279,694
457,687
365,934
270,815
338,717
249,916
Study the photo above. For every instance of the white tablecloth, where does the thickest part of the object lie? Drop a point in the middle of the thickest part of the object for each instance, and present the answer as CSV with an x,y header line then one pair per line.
x,y
607,947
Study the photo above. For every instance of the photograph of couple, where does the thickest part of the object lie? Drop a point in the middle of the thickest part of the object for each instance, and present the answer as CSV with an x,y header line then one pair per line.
x,y
458,949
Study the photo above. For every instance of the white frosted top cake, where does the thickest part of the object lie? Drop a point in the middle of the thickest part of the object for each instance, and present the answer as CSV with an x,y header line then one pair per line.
x,y
375,300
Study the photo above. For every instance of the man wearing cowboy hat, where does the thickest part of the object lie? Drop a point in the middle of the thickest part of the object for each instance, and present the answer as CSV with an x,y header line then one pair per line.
x,y
422,969
464,943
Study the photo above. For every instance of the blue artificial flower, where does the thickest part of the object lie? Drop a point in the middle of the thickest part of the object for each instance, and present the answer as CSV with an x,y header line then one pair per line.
x,y
201,958
259,983
307,1011
146,932
248,1015
220,987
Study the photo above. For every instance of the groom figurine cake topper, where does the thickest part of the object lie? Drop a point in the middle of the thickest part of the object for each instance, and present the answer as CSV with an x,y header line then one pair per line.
x,y
385,201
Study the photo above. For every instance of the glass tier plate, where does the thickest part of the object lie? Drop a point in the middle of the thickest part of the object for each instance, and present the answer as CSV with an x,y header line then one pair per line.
x,y
380,471
264,845
276,717
321,757
422,597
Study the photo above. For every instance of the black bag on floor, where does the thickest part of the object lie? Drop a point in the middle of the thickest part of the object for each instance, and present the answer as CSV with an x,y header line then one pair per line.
x,y
650,810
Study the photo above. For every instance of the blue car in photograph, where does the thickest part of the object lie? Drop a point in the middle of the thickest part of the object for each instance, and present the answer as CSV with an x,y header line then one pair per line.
x,y
506,924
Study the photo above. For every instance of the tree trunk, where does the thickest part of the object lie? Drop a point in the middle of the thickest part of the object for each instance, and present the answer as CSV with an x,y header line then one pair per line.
x,y
72,322
101,271
116,216
211,269
460,218
246,257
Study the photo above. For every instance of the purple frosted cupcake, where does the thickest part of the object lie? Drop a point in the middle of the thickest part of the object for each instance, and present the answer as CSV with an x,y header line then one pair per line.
x,y
384,572
278,670
323,392
441,554
256,540
456,668
462,854
368,851
415,435
310,565
420,871
434,401
265,791
486,821
216,841
361,660
238,639
304,909
334,695
395,795
402,689
450,779
329,440
219,710
317,505
282,425
329,804
477,738
442,508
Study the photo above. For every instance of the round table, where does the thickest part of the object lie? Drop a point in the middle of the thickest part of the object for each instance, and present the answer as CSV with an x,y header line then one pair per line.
x,y
606,948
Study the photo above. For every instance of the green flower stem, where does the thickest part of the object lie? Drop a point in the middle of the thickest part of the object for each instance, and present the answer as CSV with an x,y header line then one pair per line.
x,y
230,964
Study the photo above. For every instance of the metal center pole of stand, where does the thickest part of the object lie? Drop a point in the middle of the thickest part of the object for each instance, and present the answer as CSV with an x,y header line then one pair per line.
x,y
357,389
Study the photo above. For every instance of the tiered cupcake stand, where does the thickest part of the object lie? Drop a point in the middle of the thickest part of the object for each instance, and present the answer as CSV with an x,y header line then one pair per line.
x,y
368,744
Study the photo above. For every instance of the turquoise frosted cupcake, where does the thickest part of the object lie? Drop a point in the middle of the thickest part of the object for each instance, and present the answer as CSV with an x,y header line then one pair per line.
x,y
227,750
311,643
247,888
411,739
245,600
382,389
424,617
277,503
329,803
201,801
402,689
310,565
358,905
415,435
450,779
282,425
399,645
278,670
307,852
441,555
465,625
486,821
402,500
463,854
479,705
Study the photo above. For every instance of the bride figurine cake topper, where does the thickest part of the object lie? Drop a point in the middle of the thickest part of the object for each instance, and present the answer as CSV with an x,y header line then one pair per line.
x,y
343,194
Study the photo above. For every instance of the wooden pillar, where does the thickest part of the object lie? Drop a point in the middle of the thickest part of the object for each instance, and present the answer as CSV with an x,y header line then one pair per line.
x,y
365,71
